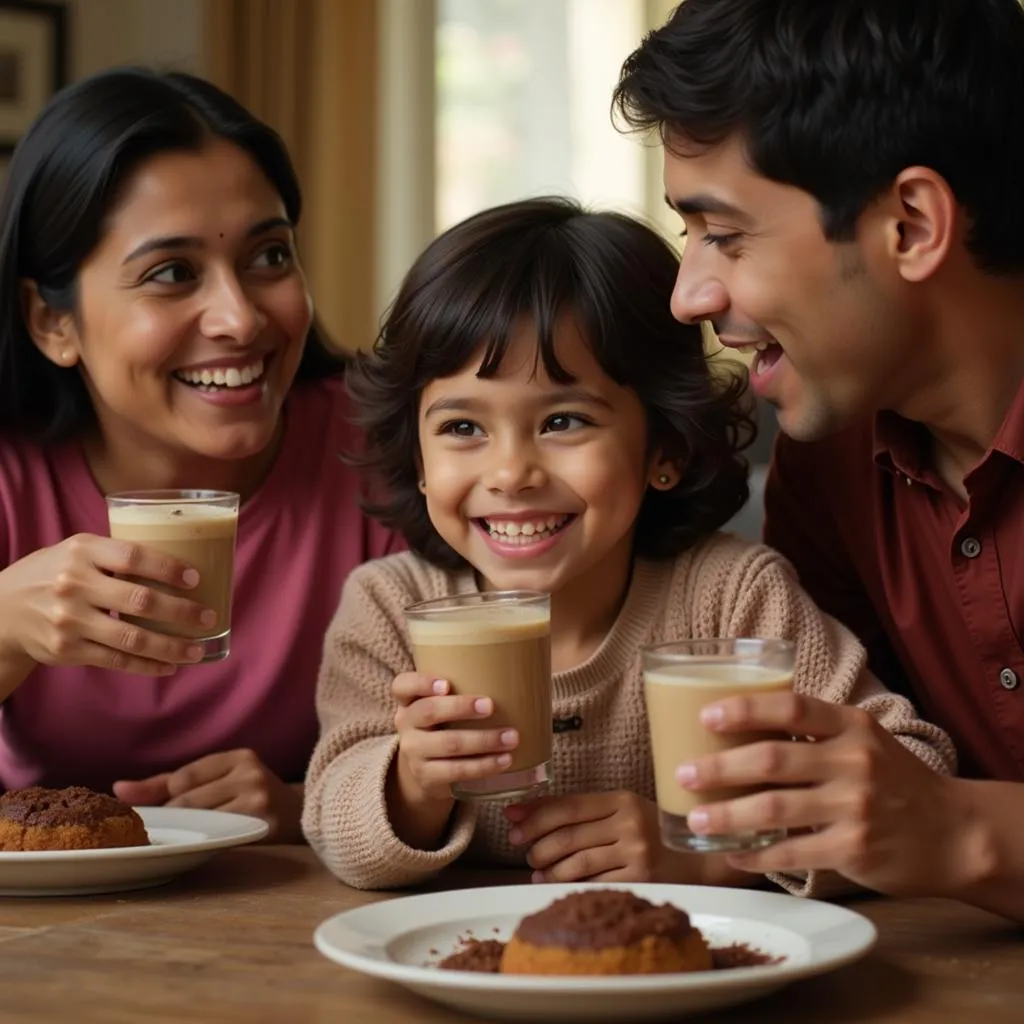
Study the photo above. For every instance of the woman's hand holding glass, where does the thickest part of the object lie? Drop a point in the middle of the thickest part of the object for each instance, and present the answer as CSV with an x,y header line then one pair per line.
x,y
55,607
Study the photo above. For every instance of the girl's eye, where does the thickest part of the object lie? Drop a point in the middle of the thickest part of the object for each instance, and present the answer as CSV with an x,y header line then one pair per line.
x,y
461,428
274,256
171,273
564,421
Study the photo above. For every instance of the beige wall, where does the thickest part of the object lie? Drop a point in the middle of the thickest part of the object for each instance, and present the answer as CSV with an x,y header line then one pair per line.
x,y
166,33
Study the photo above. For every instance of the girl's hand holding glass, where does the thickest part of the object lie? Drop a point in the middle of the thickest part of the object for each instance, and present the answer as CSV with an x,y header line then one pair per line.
x,y
430,757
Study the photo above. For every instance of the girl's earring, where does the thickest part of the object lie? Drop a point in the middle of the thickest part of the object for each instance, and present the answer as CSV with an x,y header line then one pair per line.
x,y
664,479
423,485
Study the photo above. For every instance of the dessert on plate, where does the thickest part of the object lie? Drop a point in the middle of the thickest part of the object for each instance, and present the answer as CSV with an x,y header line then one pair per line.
x,y
74,818
605,932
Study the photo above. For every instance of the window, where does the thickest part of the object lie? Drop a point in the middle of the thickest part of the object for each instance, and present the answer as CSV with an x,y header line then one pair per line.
x,y
523,91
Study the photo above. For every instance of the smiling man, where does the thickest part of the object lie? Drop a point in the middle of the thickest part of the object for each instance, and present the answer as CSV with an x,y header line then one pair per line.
x,y
851,178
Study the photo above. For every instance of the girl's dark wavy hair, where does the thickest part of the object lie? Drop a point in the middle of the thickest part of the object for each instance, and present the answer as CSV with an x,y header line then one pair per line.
x,y
539,258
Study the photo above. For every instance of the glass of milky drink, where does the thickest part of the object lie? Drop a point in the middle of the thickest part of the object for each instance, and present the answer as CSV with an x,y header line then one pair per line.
x,y
682,678
197,527
497,645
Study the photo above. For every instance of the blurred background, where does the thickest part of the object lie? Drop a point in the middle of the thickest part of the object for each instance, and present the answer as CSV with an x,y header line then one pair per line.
x,y
402,116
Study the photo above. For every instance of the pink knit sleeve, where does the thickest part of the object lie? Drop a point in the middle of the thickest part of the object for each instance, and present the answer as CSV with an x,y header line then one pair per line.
x,y
345,816
754,592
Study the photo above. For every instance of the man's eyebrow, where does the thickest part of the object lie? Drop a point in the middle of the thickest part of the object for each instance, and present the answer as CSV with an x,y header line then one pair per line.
x,y
701,205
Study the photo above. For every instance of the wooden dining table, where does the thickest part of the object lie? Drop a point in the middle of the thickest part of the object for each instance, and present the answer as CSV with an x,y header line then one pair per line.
x,y
231,942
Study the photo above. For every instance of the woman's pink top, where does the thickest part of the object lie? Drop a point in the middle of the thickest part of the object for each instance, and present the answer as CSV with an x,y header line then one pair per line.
x,y
298,538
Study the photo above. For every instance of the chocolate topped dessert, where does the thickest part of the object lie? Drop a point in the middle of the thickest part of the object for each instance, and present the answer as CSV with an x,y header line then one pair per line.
x,y
74,818
600,918
605,931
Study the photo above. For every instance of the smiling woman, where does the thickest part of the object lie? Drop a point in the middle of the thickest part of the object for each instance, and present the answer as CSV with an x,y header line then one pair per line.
x,y
156,331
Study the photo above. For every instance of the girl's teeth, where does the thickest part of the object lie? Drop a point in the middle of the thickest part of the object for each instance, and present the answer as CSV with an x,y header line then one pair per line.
x,y
515,531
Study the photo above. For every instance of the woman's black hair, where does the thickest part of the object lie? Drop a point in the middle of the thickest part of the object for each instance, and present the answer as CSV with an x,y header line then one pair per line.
x,y
62,183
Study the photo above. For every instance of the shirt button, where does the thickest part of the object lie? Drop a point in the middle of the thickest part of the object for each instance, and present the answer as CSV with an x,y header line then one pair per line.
x,y
1009,680
970,547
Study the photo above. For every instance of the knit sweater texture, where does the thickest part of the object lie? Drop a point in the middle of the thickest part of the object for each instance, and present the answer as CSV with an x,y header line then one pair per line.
x,y
722,587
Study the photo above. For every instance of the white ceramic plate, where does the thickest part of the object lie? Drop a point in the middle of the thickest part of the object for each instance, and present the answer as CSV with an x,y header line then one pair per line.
x,y
181,839
398,939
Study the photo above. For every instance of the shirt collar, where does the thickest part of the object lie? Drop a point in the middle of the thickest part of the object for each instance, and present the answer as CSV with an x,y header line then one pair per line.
x,y
1010,437
902,446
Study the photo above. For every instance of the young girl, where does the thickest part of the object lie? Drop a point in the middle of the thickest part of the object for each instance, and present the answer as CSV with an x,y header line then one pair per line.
x,y
542,422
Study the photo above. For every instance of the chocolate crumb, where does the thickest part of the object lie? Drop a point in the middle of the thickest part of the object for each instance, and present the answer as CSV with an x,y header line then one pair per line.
x,y
738,954
481,955
435,952
484,956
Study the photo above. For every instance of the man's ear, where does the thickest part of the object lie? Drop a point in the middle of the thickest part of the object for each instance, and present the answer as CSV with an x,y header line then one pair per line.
x,y
53,331
923,225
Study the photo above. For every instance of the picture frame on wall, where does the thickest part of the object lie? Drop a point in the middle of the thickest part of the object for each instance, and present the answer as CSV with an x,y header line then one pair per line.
x,y
33,65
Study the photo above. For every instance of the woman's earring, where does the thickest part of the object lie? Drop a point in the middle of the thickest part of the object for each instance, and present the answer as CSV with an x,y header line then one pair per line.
x,y
423,485
664,479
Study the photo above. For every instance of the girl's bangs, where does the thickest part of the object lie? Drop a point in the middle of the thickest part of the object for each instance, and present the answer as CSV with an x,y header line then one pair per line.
x,y
538,287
